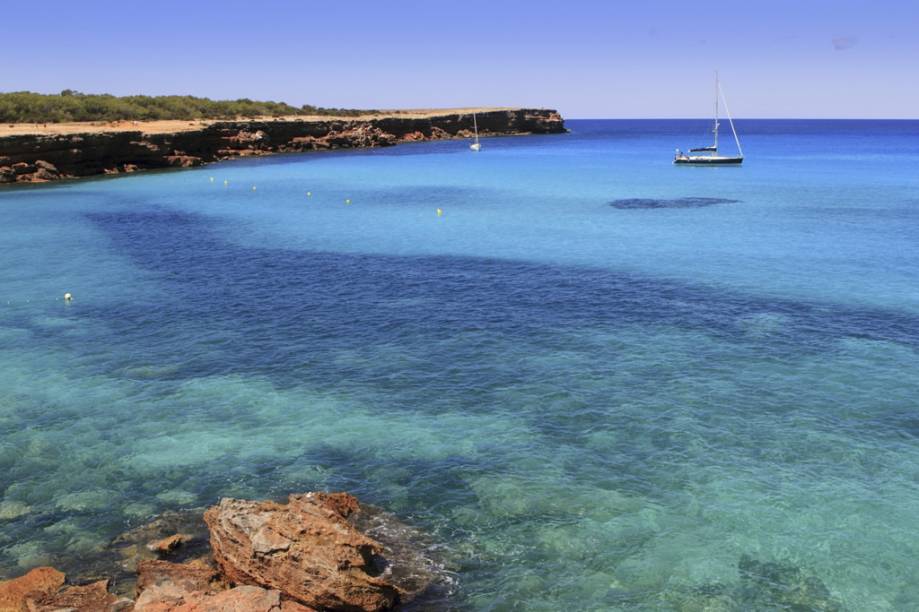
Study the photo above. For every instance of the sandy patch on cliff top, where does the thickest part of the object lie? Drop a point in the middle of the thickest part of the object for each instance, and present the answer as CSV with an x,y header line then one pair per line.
x,y
182,125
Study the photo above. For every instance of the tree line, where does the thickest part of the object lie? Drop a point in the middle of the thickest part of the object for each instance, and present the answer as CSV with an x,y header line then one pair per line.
x,y
70,105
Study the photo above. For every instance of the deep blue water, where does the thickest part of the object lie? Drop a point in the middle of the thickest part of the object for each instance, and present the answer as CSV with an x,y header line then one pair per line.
x,y
593,403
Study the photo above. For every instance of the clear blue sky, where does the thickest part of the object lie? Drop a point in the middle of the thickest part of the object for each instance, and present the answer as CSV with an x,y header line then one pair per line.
x,y
778,58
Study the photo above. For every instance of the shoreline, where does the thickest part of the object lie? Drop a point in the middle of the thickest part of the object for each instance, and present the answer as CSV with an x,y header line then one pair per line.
x,y
40,153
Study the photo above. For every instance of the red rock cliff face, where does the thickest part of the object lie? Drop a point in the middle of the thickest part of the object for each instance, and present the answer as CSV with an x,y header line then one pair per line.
x,y
34,158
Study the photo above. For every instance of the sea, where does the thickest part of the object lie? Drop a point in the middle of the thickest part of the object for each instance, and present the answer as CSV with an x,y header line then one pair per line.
x,y
596,380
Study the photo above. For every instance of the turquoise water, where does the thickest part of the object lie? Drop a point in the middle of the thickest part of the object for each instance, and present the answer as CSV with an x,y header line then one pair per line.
x,y
592,405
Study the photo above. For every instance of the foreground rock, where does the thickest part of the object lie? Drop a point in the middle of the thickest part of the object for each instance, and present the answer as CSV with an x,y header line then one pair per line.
x,y
16,593
93,597
35,158
197,587
318,551
306,549
42,590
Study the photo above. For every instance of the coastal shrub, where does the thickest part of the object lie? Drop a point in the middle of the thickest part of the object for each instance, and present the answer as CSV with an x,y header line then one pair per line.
x,y
70,105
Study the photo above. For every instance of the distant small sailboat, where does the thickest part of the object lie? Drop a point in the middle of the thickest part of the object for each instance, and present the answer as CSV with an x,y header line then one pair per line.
x,y
476,146
711,156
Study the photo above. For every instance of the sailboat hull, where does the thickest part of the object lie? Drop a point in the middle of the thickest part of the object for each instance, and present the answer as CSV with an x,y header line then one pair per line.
x,y
708,160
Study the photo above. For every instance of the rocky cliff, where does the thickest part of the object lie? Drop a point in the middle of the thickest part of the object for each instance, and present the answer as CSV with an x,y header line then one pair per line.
x,y
40,158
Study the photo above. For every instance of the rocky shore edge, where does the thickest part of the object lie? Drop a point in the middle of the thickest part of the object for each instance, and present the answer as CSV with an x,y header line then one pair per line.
x,y
39,158
314,552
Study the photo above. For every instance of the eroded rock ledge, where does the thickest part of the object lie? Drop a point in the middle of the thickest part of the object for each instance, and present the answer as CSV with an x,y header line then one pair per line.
x,y
41,158
310,553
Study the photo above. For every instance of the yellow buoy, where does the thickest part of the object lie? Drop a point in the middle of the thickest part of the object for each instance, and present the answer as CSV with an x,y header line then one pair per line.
x,y
309,194
68,297
348,201
225,182
253,188
440,212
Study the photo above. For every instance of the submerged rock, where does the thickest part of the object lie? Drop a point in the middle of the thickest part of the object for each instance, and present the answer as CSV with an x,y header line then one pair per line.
x,y
690,202
705,598
763,585
305,548
10,510
416,564
126,552
771,585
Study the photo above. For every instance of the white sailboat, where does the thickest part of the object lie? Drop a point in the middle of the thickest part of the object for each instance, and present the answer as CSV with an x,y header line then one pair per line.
x,y
475,146
709,155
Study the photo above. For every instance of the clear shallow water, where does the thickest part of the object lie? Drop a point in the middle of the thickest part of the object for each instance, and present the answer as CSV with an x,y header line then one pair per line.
x,y
593,407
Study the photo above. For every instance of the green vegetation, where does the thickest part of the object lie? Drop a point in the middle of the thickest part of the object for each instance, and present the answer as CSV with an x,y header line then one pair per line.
x,y
69,105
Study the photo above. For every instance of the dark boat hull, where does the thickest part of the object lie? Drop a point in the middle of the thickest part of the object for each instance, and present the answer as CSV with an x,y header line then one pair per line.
x,y
709,161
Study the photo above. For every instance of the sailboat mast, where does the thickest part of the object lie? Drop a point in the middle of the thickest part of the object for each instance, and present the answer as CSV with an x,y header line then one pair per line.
x,y
716,111
731,121
475,126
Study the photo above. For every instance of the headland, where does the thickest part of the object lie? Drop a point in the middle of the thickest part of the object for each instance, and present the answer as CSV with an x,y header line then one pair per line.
x,y
42,152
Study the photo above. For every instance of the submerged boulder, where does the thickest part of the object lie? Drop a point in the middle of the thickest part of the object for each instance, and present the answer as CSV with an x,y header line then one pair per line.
x,y
773,585
306,548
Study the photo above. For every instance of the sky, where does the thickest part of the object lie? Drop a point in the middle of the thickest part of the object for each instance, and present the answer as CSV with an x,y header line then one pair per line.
x,y
651,58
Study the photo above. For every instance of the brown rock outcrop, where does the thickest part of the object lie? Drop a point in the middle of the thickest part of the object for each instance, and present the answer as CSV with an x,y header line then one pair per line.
x,y
306,548
37,171
16,594
40,591
88,598
192,576
182,161
311,553
162,585
196,587
88,154
168,544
